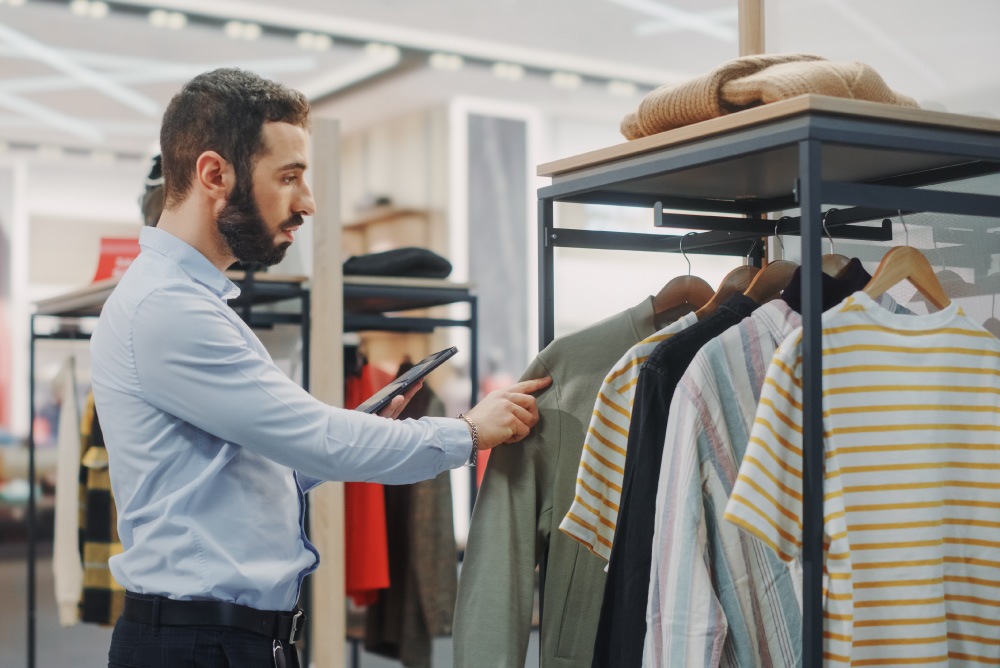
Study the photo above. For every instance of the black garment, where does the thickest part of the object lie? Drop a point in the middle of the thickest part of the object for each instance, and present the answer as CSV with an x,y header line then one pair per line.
x,y
137,645
411,262
419,604
621,629
835,290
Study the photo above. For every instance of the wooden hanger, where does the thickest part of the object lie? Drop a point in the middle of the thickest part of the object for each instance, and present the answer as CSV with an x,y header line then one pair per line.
x,y
833,264
771,280
906,262
738,280
690,290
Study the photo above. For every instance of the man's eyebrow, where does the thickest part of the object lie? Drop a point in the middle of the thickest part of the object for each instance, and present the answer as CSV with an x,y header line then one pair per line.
x,y
293,165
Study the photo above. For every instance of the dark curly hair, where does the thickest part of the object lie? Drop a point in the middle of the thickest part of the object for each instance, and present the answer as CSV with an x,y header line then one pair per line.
x,y
223,111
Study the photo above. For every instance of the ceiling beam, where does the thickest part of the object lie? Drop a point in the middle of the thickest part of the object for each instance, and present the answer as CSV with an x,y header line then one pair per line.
x,y
50,117
700,23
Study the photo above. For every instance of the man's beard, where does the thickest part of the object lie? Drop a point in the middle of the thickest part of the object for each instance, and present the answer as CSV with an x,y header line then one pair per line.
x,y
247,234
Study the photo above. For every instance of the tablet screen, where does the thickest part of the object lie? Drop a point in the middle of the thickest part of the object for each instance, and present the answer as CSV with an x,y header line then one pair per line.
x,y
381,399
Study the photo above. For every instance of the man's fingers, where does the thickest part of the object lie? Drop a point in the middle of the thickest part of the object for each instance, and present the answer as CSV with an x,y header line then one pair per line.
x,y
398,403
529,386
525,401
521,430
523,415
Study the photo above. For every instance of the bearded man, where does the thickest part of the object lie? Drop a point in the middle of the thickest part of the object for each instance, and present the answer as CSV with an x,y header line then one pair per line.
x,y
211,446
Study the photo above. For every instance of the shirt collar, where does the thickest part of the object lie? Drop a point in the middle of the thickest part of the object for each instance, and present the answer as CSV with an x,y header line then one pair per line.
x,y
194,264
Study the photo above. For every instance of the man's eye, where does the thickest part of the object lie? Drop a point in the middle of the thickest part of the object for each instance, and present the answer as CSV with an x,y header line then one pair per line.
x,y
290,179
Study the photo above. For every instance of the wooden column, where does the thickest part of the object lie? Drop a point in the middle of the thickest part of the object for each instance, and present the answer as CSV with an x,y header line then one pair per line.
x,y
751,27
329,616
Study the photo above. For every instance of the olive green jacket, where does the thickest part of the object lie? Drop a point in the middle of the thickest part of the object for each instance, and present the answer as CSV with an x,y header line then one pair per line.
x,y
526,492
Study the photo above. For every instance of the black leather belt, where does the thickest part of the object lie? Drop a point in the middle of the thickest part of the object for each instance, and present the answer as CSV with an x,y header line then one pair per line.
x,y
283,626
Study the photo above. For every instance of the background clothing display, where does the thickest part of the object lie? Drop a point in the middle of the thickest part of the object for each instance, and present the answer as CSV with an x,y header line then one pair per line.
x,y
423,561
526,492
622,629
591,519
910,417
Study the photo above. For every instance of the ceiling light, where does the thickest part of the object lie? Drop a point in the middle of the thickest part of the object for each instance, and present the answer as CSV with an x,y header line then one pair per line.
x,y
98,10
384,50
159,18
4,146
16,3
508,71
568,80
176,20
322,42
79,7
622,88
102,157
251,31
446,61
233,29
306,40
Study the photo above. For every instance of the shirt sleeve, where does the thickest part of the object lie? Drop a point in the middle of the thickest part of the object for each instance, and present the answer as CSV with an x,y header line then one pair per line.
x,y
194,363
685,622
767,496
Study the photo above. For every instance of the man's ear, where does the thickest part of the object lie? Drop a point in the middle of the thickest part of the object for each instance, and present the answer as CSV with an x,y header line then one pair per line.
x,y
214,175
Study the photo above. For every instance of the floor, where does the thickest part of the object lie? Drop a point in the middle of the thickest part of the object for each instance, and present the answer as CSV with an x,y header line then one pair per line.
x,y
86,645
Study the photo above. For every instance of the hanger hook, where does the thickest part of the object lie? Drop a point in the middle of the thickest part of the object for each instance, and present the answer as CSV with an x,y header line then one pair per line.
x,y
685,254
778,236
906,230
752,246
828,235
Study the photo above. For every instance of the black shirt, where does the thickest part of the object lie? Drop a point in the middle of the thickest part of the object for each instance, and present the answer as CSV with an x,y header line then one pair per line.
x,y
622,625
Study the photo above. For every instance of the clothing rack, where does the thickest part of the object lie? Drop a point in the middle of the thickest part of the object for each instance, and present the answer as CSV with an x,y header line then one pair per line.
x,y
366,302
801,153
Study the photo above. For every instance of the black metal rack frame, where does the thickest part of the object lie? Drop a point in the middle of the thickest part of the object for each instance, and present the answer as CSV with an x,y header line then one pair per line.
x,y
802,161
369,303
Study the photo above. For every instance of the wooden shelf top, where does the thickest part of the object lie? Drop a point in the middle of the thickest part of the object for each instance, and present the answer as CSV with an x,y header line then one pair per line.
x,y
803,104
384,214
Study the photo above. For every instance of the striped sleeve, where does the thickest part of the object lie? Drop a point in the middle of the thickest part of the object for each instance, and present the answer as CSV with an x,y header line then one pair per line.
x,y
767,497
593,515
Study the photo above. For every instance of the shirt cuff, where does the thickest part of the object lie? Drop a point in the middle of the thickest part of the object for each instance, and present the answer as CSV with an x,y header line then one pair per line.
x,y
456,441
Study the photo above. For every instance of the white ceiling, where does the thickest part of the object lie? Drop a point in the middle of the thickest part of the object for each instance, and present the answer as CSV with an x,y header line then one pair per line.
x,y
83,83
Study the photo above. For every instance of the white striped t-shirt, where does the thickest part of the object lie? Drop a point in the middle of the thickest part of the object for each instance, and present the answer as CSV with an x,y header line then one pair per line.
x,y
911,421
592,517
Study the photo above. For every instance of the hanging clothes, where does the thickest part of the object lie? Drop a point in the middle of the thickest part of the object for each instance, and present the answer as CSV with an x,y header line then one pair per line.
x,y
526,491
366,548
103,597
621,630
910,420
717,597
66,566
592,517
423,560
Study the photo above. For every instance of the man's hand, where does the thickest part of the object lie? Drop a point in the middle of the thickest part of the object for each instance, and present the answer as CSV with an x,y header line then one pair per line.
x,y
397,404
507,416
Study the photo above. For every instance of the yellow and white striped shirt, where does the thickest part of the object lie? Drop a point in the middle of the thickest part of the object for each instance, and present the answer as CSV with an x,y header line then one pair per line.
x,y
911,420
591,519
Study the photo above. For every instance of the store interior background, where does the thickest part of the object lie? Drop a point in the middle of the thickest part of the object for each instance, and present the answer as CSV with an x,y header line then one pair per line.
x,y
445,109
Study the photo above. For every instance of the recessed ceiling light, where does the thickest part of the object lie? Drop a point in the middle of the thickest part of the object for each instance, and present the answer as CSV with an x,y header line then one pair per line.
x,y
446,61
322,42
569,80
98,10
379,49
233,29
158,17
306,40
79,7
622,88
4,146
176,20
50,151
251,31
102,157
16,3
508,71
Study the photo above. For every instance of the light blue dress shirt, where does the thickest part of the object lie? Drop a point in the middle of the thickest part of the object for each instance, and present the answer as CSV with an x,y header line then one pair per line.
x,y
212,447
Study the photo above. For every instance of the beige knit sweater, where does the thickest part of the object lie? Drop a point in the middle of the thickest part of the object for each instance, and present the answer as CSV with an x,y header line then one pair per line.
x,y
752,81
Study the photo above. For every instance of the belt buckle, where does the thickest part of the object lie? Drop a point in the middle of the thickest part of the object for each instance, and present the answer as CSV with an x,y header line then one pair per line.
x,y
293,635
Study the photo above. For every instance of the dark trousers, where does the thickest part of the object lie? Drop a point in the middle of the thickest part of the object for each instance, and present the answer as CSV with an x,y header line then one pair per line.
x,y
136,645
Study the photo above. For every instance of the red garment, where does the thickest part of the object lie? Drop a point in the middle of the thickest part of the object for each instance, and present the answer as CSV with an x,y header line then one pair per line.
x,y
366,546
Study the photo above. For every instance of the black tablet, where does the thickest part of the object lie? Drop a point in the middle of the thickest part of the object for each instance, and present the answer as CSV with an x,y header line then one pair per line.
x,y
381,399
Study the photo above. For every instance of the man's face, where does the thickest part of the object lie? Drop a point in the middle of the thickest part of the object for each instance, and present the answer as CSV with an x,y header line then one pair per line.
x,y
264,210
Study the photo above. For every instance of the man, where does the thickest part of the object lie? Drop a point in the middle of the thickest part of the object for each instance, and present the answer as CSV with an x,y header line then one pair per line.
x,y
211,447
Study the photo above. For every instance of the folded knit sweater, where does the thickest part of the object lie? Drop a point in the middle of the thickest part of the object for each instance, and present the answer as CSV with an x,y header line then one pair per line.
x,y
751,81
